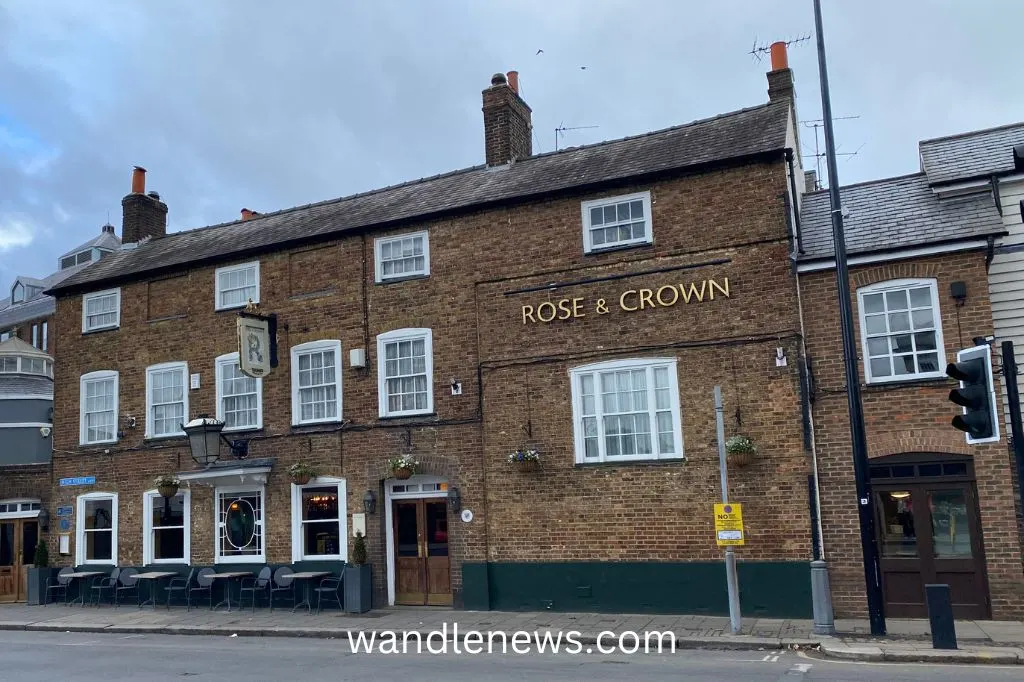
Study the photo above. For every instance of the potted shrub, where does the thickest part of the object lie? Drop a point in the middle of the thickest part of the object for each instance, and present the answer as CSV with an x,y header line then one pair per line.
x,y
167,485
358,583
40,574
301,474
403,466
525,459
740,450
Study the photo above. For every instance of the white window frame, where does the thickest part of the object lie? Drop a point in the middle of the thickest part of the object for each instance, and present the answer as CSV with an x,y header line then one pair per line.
x,y
588,242
35,336
297,536
80,531
409,334
378,245
648,364
101,375
227,360
940,348
99,294
247,558
164,366
315,346
234,268
46,336
148,499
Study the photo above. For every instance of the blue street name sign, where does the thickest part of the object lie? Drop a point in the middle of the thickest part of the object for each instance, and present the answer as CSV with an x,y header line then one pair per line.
x,y
65,511
81,480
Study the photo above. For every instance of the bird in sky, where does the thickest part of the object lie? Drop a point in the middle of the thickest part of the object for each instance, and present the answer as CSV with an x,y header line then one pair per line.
x,y
538,52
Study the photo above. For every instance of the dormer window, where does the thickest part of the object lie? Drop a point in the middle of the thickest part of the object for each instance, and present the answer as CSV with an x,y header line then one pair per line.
x,y
74,259
18,293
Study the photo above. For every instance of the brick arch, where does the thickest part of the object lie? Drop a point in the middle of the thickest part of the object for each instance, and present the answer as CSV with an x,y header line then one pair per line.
x,y
430,465
904,270
915,441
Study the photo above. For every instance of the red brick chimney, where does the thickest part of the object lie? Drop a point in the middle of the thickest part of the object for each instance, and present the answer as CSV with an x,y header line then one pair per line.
x,y
508,127
780,78
143,215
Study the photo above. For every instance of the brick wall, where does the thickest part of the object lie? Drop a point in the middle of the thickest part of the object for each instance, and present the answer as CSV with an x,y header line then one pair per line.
x,y
724,224
905,418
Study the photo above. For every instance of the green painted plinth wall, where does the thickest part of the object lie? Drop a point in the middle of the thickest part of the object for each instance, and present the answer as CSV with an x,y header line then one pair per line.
x,y
768,589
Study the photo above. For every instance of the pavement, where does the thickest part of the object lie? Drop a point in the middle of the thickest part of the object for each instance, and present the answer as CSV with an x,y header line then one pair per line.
x,y
993,642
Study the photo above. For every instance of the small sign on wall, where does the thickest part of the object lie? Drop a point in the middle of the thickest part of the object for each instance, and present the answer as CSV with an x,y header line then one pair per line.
x,y
359,525
79,480
64,543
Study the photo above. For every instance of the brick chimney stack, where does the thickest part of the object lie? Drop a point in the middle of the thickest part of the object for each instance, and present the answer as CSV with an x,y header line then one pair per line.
x,y
780,78
144,215
508,126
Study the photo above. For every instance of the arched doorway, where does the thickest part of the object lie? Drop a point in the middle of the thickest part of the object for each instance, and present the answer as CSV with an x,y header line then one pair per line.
x,y
928,531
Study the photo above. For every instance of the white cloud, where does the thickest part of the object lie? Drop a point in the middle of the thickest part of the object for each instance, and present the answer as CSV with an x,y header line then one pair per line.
x,y
15,233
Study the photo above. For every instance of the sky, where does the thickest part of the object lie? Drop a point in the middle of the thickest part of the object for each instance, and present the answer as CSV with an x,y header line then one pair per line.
x,y
267,105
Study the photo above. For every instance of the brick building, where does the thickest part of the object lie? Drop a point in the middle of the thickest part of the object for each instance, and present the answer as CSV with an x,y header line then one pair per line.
x,y
583,303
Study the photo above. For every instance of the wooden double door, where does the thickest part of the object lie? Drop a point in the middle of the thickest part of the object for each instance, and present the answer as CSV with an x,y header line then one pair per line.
x,y
422,563
928,533
18,539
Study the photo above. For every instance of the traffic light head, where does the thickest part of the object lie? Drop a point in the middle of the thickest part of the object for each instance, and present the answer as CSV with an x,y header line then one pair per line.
x,y
976,394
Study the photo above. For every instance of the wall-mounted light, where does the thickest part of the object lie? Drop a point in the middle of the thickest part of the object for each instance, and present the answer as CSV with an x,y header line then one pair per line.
x,y
369,502
204,437
44,519
958,290
454,499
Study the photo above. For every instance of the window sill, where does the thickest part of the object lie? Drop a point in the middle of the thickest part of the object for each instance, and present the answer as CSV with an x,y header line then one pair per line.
x,y
622,247
155,440
409,415
86,332
97,446
890,385
245,430
631,463
234,308
406,278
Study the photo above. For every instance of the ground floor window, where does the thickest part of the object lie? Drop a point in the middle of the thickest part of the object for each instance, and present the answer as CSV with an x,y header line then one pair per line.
x,y
240,532
319,520
96,529
166,526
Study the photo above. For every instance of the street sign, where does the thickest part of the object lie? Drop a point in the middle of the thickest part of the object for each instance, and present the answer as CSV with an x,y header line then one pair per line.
x,y
729,524
65,511
80,480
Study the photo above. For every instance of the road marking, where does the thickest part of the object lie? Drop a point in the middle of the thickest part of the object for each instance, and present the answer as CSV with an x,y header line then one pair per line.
x,y
801,668
91,641
133,637
770,658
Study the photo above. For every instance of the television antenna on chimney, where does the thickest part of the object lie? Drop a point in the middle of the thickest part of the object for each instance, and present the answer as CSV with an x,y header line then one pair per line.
x,y
818,123
758,51
560,130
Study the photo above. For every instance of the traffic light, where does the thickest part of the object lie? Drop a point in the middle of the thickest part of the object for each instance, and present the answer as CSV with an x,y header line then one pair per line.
x,y
976,395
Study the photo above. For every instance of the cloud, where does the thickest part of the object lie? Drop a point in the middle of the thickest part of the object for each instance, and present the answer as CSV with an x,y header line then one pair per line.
x,y
15,233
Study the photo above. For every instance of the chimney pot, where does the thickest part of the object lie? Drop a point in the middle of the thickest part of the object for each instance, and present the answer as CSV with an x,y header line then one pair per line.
x,y
246,214
498,79
779,58
513,81
138,180
154,194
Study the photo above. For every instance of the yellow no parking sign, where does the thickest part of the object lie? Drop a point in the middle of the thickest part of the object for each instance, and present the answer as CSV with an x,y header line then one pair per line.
x,y
729,524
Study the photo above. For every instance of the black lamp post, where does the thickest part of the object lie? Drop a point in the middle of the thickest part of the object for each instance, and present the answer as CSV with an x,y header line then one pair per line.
x,y
204,437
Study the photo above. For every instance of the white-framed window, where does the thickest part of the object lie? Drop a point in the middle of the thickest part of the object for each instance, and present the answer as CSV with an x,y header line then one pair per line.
x,y
319,518
316,382
101,310
239,397
901,331
35,336
236,284
46,336
239,521
98,405
96,529
617,221
626,410
405,255
405,371
166,523
166,399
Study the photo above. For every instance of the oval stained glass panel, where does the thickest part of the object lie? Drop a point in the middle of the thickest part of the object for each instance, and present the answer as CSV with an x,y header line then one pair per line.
x,y
240,523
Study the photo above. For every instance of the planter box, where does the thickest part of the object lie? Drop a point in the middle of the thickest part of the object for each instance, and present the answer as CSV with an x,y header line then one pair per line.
x,y
358,586
37,579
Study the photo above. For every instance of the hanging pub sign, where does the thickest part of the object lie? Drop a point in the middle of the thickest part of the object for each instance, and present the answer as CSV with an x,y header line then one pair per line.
x,y
257,342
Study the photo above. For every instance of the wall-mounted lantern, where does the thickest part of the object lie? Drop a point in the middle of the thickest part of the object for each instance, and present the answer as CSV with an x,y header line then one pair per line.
x,y
204,437
454,499
369,502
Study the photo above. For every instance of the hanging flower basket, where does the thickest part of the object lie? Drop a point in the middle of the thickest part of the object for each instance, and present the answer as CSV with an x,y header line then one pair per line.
x,y
301,474
167,486
403,467
741,451
525,460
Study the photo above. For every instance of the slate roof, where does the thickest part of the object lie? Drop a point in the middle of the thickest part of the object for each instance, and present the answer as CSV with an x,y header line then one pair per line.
x,y
20,384
733,136
104,240
970,155
41,305
895,213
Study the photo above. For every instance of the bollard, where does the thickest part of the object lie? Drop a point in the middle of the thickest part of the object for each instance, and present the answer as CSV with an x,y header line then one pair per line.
x,y
940,615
